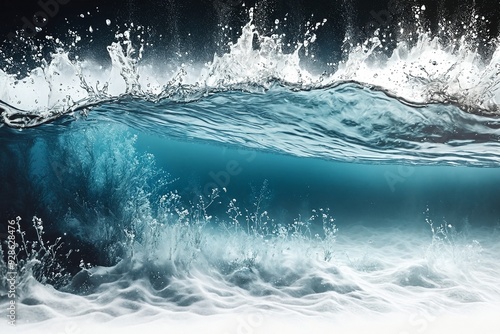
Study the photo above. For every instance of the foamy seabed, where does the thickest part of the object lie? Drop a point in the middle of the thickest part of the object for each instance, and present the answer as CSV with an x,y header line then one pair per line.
x,y
378,281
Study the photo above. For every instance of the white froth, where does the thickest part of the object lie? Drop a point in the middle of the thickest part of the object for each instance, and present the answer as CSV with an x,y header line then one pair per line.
x,y
378,278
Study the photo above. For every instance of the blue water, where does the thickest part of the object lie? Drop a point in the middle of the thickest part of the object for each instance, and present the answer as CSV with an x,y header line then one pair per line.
x,y
257,192
344,148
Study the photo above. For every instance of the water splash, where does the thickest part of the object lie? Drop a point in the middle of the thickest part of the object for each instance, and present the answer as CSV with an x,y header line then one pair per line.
x,y
423,68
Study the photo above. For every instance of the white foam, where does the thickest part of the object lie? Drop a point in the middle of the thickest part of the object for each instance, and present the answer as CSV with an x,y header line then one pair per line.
x,y
385,279
481,320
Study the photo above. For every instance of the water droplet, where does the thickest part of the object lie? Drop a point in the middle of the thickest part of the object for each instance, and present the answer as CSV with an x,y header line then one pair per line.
x,y
276,21
108,22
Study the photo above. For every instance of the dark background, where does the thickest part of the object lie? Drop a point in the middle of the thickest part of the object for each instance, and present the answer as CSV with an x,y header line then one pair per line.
x,y
179,26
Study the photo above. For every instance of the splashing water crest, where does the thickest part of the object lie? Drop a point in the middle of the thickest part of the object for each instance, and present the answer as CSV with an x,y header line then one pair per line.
x,y
426,71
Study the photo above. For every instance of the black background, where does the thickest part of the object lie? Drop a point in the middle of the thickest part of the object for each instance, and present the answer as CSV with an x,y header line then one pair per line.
x,y
180,25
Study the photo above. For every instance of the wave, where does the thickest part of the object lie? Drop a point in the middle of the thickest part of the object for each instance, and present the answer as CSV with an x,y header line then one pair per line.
x,y
344,122
424,68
